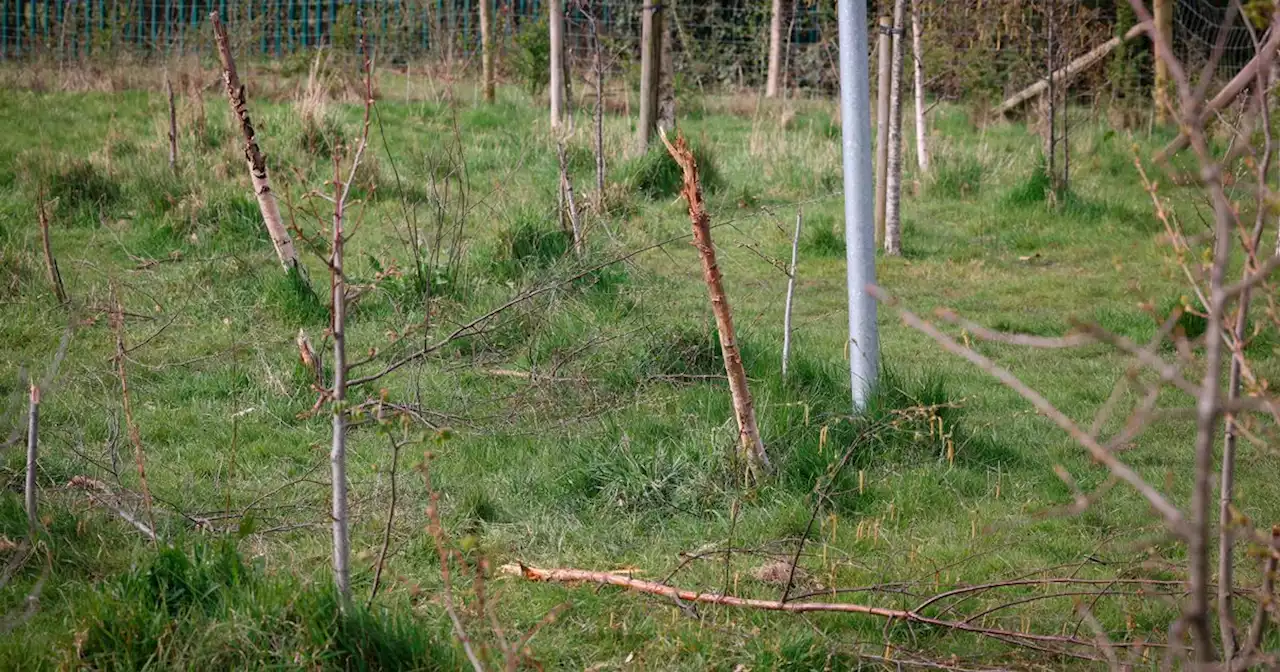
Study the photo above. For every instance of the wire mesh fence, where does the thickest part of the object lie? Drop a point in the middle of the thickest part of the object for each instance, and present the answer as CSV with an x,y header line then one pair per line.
x,y
973,48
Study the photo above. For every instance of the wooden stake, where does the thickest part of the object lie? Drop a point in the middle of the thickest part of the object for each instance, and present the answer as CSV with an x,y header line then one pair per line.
x,y
486,51
1162,15
173,126
752,447
253,155
650,55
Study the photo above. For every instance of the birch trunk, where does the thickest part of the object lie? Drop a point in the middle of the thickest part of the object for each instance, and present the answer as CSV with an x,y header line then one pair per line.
x,y
917,51
893,183
749,434
882,124
253,155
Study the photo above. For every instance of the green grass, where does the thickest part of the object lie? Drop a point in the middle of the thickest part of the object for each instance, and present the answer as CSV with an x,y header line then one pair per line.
x,y
589,426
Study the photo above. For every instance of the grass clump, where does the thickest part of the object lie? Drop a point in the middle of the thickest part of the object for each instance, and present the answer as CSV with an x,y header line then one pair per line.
x,y
957,176
822,240
530,242
656,175
207,608
295,301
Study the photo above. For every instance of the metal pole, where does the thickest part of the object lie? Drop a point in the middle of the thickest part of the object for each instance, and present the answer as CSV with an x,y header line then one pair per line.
x,y
859,222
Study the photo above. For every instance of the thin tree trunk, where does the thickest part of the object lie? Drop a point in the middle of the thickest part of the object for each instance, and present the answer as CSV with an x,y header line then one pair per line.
x,y
139,457
917,51
1226,492
566,190
33,442
1050,146
882,124
557,62
893,185
599,115
173,126
486,50
338,450
752,447
650,53
667,71
50,263
253,155
774,79
791,291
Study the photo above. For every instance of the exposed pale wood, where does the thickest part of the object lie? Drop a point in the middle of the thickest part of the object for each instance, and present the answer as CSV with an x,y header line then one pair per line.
x,y
1075,67
252,153
749,433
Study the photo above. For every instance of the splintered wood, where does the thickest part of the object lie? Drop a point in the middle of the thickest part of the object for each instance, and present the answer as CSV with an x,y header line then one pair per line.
x,y
744,411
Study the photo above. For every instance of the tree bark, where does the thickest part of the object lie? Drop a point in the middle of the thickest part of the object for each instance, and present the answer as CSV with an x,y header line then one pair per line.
x,y
650,53
917,51
893,184
33,442
757,460
557,62
566,191
774,79
486,50
882,124
253,155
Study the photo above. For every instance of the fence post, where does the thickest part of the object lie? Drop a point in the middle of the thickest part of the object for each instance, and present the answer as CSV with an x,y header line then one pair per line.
x,y
1163,16
650,53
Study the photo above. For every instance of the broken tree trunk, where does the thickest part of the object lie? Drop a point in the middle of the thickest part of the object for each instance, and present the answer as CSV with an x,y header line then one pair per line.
x,y
752,447
1073,68
566,192
1247,75
252,154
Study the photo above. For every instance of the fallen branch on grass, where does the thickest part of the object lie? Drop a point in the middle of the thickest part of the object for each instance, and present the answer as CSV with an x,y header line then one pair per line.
x,y
677,595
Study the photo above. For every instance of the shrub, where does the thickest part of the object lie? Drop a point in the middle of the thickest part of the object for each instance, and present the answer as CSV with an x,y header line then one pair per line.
x,y
531,59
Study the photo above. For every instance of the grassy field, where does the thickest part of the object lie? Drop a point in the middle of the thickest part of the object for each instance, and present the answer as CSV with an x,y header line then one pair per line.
x,y
584,427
